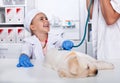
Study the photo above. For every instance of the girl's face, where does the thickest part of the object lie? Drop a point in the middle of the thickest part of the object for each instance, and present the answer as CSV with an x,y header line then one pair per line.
x,y
40,24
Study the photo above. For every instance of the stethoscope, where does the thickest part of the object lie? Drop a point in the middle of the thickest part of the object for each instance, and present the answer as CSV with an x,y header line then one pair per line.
x,y
85,30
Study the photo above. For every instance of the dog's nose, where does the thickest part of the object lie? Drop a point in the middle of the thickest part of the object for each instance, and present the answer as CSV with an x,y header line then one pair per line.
x,y
96,72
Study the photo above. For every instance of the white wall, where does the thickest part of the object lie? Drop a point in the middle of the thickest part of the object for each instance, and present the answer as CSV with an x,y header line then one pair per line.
x,y
30,4
64,10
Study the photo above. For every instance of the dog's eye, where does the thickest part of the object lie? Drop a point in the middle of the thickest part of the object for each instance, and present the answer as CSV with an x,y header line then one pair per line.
x,y
88,67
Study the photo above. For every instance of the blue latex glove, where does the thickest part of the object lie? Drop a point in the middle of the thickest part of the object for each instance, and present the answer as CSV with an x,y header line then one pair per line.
x,y
67,45
24,61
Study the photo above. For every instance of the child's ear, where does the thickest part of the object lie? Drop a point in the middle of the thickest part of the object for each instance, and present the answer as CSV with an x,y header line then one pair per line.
x,y
32,27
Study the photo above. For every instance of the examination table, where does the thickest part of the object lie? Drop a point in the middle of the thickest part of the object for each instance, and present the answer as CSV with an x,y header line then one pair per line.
x,y
9,73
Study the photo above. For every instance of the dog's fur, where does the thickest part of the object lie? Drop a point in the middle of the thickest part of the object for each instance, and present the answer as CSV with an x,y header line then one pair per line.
x,y
72,64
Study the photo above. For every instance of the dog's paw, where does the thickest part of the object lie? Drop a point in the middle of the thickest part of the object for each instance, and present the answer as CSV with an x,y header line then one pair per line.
x,y
102,65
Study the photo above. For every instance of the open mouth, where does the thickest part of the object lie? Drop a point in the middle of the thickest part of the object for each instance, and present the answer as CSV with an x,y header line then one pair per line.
x,y
46,25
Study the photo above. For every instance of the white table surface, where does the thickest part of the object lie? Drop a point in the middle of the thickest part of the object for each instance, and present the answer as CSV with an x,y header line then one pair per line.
x,y
9,73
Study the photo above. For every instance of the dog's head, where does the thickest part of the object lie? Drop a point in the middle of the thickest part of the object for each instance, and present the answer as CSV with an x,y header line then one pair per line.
x,y
74,66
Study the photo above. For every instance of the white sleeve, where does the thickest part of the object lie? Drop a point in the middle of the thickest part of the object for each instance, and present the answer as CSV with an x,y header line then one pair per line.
x,y
55,40
27,49
58,41
116,5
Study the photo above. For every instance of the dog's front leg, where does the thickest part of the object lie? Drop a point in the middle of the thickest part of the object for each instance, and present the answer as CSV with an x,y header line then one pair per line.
x,y
102,65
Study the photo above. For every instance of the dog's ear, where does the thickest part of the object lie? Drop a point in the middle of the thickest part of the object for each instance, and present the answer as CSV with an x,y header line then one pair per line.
x,y
70,66
73,65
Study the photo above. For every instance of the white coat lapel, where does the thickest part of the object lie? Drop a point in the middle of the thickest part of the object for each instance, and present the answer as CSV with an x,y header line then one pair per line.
x,y
38,49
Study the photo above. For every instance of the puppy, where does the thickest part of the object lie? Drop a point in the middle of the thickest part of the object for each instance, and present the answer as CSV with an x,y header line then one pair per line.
x,y
73,64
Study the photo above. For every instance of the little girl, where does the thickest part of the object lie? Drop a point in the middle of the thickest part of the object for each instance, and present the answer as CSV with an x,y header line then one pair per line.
x,y
41,39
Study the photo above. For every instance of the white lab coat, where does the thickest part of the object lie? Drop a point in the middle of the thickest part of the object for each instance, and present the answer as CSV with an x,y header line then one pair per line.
x,y
106,38
32,46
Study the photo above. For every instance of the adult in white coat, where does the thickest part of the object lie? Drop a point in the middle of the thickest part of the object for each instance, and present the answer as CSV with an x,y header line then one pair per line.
x,y
40,40
106,29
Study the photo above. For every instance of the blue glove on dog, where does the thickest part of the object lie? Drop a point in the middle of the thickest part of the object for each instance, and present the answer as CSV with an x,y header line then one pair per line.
x,y
24,61
67,45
